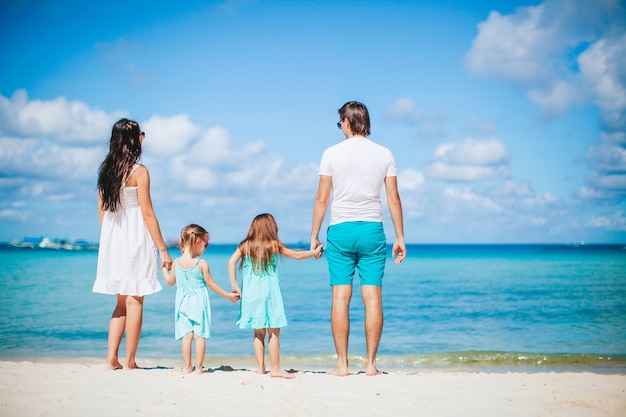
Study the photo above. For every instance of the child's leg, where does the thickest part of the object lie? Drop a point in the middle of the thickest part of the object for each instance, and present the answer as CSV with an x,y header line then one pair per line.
x,y
134,319
200,348
274,348
259,350
187,351
116,331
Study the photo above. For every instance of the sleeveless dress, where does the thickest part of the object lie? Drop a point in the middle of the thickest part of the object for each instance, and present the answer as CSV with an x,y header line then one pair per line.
x,y
261,305
127,256
192,312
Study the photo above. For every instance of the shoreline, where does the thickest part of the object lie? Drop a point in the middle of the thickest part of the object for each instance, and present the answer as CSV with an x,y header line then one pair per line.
x,y
450,362
78,387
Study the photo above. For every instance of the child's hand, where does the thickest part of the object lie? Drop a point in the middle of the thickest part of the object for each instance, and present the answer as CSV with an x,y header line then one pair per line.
x,y
233,297
319,250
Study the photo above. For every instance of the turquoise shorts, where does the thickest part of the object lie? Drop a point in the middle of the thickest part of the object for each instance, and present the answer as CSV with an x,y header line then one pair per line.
x,y
352,246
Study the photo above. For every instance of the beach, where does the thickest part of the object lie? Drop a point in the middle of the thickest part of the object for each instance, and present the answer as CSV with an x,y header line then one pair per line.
x,y
83,388
470,330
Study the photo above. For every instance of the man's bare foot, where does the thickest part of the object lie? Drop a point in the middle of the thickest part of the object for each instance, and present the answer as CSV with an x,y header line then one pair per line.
x,y
339,372
281,374
113,367
372,371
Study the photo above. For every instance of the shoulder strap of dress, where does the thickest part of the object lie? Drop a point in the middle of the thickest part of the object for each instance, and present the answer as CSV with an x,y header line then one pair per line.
x,y
130,174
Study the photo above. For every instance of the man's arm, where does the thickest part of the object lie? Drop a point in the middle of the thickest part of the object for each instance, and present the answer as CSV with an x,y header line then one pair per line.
x,y
395,210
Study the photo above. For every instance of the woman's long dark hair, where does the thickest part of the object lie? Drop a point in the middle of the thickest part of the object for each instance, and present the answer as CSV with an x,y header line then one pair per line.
x,y
124,152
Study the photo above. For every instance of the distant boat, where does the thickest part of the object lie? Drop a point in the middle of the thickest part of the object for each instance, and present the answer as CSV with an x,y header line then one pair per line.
x,y
56,244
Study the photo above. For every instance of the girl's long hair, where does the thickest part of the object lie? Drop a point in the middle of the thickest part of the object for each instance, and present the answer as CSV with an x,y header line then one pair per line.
x,y
188,236
261,243
124,152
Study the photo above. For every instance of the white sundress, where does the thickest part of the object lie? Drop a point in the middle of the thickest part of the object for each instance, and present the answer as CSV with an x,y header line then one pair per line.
x,y
127,256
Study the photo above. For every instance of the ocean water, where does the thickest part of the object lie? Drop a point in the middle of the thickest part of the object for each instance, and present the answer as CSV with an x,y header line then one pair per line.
x,y
531,306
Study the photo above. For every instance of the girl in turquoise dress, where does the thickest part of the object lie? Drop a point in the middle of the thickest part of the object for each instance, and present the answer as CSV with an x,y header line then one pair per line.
x,y
192,311
261,306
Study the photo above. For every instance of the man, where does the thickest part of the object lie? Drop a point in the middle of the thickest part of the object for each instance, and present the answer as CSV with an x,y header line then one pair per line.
x,y
355,171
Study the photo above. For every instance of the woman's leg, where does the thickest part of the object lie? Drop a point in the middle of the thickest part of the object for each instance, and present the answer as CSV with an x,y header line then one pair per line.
x,y
134,318
186,350
116,331
259,350
200,348
274,348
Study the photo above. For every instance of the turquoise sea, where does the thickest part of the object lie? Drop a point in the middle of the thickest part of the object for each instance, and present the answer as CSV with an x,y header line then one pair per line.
x,y
447,306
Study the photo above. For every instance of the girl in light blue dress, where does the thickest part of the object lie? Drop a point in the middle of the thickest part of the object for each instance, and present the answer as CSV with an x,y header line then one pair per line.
x,y
192,311
261,306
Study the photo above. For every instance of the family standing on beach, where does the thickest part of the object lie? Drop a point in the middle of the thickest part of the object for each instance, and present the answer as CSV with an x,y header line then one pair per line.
x,y
351,177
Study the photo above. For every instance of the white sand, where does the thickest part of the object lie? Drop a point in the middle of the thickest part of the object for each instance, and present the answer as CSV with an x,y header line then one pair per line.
x,y
83,388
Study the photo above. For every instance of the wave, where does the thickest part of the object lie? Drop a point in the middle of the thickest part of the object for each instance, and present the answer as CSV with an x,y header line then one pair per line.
x,y
483,360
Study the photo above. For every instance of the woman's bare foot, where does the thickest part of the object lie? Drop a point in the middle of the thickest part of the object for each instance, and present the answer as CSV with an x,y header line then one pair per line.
x,y
132,365
281,374
199,370
187,370
260,371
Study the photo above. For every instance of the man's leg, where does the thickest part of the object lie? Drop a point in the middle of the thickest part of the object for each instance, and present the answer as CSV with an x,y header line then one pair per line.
x,y
340,323
372,299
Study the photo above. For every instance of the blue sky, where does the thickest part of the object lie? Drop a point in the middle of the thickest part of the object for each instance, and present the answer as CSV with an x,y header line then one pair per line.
x,y
507,118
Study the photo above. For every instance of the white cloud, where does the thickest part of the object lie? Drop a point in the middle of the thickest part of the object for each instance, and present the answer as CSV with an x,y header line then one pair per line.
x,y
403,110
430,125
556,98
472,200
616,223
470,160
563,52
167,136
603,68
445,172
511,47
606,180
41,158
473,152
68,122
410,179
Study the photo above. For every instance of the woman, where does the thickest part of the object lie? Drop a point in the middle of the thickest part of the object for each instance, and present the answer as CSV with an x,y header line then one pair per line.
x,y
129,239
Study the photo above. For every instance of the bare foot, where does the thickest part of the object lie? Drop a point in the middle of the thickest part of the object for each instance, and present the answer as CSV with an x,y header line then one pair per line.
x,y
199,370
260,371
132,365
187,370
372,371
113,367
339,372
281,374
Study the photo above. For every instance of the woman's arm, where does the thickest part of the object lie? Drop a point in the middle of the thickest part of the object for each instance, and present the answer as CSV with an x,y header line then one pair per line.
x,y
100,207
142,177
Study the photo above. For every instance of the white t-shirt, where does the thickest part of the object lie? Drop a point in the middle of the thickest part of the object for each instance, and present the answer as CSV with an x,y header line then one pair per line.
x,y
358,168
